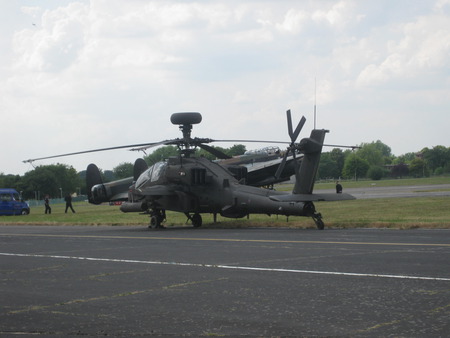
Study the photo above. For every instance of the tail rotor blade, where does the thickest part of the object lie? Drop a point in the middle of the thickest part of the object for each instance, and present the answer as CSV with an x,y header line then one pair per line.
x,y
293,134
289,123
298,129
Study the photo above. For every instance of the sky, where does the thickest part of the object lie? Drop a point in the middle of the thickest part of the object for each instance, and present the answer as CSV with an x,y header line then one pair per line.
x,y
79,75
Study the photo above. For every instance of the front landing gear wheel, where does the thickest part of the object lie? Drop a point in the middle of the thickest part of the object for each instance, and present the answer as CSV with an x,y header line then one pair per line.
x,y
155,222
317,217
156,218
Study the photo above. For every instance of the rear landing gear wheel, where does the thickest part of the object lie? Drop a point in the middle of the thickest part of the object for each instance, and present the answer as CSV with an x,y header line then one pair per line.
x,y
317,217
197,220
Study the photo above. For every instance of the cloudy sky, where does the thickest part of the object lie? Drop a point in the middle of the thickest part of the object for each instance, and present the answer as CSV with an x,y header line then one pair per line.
x,y
77,75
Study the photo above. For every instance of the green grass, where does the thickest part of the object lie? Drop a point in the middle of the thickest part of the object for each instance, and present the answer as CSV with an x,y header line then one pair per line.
x,y
399,213
381,183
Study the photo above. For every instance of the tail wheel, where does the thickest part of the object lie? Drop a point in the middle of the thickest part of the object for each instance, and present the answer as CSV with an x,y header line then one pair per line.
x,y
317,217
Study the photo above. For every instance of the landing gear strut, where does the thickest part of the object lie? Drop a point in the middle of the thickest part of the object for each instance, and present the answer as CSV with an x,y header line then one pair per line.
x,y
156,218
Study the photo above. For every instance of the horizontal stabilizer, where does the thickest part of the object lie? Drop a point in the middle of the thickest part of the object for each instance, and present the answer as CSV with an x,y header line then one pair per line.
x,y
311,197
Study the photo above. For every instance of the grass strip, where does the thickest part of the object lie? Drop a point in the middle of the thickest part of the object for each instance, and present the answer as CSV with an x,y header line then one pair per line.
x,y
398,213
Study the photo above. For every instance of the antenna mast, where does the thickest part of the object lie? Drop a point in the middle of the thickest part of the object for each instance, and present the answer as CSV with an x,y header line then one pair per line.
x,y
315,96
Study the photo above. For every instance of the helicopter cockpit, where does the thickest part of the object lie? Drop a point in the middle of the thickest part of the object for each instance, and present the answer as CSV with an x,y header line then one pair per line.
x,y
152,174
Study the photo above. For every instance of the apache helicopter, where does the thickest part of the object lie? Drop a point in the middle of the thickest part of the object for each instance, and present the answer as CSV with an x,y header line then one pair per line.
x,y
195,185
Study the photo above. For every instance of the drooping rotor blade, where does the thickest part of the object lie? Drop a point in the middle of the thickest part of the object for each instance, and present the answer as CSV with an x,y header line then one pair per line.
x,y
91,151
93,177
282,165
215,152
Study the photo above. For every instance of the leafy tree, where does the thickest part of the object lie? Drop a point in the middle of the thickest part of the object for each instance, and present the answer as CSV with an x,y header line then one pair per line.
x,y
437,157
123,170
399,170
54,180
236,150
208,155
375,173
418,168
108,175
405,158
161,154
355,167
338,156
328,167
10,181
376,153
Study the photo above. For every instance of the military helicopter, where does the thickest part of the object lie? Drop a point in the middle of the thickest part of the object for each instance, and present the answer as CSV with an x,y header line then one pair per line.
x,y
195,185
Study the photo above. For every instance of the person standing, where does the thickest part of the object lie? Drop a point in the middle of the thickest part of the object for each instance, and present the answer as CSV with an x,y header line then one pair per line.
x,y
47,205
68,200
338,188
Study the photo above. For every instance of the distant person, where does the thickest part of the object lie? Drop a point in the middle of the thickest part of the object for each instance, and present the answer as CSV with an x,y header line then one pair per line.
x,y
338,188
47,205
68,200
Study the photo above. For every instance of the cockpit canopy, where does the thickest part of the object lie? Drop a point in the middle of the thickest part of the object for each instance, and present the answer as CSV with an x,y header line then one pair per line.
x,y
152,174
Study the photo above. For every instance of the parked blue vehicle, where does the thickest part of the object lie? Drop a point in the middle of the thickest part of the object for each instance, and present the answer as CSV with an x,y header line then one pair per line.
x,y
11,203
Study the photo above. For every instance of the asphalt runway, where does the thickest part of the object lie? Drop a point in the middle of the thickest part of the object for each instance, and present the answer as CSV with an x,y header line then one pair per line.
x,y
373,191
131,281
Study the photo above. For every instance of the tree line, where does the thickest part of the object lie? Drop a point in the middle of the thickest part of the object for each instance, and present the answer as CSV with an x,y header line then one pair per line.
x,y
375,161
371,160
58,180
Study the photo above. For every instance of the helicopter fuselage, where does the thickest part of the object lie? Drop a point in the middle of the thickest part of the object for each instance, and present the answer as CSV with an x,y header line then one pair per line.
x,y
197,185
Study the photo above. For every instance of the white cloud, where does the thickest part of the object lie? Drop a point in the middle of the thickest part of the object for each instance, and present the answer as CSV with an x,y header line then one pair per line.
x,y
116,70
422,49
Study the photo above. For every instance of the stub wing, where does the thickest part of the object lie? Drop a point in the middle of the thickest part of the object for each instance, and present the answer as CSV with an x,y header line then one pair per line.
x,y
157,190
123,196
311,197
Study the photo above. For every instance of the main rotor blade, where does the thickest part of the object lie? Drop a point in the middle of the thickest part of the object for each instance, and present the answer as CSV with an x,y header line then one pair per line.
x,y
252,141
155,144
282,164
90,151
215,152
339,146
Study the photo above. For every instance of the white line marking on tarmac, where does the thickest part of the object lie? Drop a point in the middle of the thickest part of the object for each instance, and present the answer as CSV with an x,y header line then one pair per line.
x,y
232,267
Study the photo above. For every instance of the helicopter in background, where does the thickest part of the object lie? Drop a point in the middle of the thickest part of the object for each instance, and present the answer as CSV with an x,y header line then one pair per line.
x,y
195,185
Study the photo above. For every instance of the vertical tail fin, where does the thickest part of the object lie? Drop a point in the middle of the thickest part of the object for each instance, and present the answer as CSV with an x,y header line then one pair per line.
x,y
311,148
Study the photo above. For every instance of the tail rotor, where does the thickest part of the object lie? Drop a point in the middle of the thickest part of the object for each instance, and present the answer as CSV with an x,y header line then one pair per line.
x,y
293,134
